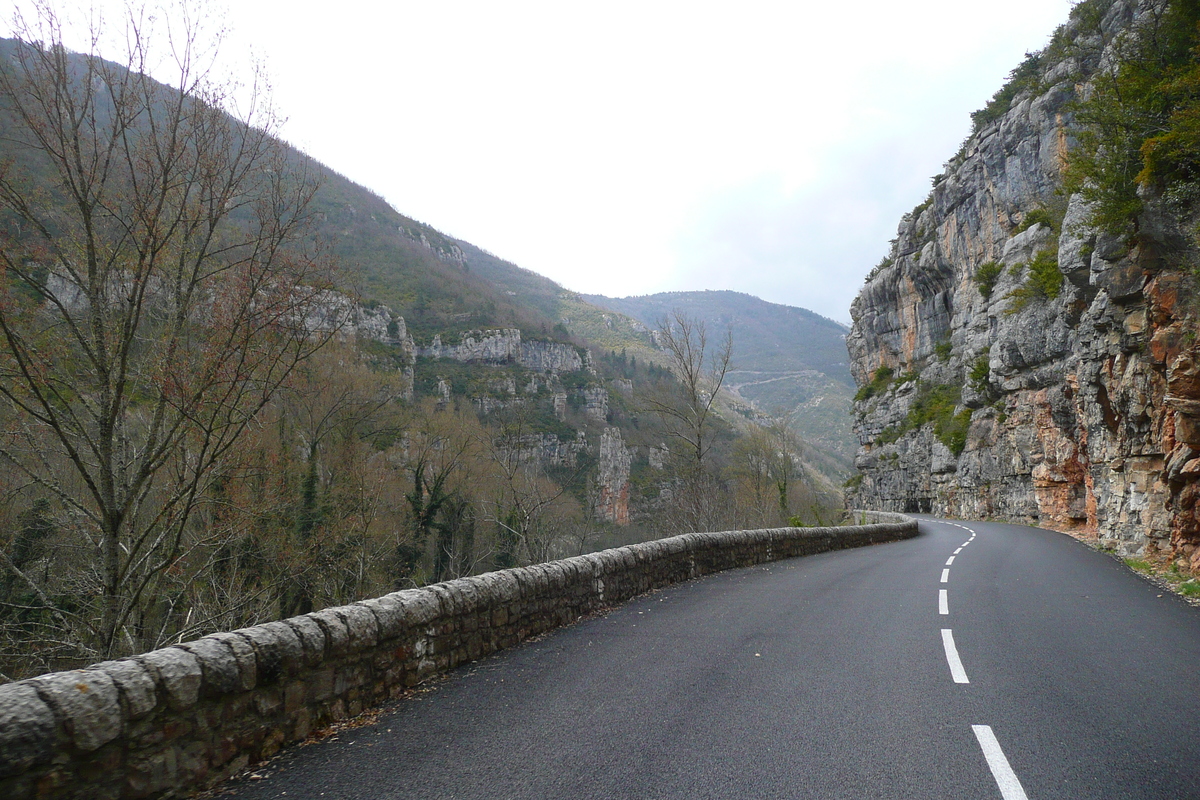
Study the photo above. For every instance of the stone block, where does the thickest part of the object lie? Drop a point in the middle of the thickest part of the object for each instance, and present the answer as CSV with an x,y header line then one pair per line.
x,y
152,774
320,685
536,581
472,599
422,605
337,636
18,787
273,743
177,672
267,702
580,565
562,575
87,702
243,653
302,724
447,600
312,638
293,697
674,545
485,589
505,588
26,729
219,665
277,648
135,684
194,760
391,615
645,551
361,625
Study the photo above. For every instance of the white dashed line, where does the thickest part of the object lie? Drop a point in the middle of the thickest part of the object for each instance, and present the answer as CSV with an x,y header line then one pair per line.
x,y
956,668
1006,779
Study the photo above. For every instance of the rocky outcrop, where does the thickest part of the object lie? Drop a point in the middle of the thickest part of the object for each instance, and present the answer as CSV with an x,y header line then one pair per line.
x,y
615,462
507,347
546,450
595,404
550,357
1076,408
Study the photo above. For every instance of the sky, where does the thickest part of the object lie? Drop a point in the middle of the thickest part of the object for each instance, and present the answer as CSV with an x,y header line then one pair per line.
x,y
626,148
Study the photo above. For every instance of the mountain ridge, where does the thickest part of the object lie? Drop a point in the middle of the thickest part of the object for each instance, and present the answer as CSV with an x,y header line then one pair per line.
x,y
809,386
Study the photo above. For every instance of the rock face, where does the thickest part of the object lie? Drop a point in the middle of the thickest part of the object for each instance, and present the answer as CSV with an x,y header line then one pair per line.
x,y
1079,411
616,460
506,347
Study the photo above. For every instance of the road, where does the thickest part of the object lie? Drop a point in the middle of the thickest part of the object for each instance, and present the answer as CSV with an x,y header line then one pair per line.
x,y
1054,672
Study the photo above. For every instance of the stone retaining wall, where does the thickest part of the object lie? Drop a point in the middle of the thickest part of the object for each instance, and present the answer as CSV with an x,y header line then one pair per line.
x,y
183,718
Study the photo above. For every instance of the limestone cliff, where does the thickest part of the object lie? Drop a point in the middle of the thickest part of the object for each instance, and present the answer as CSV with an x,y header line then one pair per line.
x,y
507,346
1017,362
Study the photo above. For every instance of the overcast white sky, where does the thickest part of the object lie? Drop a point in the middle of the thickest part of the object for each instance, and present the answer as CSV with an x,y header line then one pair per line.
x,y
633,147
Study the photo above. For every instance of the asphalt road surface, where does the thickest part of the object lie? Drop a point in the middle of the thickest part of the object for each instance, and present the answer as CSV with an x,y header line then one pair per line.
x,y
978,660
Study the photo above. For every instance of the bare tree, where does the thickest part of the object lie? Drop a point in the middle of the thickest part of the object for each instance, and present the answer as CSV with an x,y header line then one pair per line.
x,y
767,475
156,293
528,508
439,451
686,409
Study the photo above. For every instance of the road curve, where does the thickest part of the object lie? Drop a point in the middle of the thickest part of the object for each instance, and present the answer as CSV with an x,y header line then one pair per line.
x,y
978,660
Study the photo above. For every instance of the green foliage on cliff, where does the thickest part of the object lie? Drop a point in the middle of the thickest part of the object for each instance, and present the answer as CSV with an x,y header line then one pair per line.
x,y
1025,78
980,371
938,405
935,404
1050,217
1043,281
879,382
1140,125
986,277
883,264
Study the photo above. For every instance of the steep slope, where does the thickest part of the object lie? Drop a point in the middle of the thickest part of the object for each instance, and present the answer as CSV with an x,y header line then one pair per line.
x,y
1020,356
790,362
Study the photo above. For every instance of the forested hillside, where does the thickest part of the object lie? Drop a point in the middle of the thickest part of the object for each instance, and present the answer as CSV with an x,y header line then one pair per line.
x,y
237,386
790,362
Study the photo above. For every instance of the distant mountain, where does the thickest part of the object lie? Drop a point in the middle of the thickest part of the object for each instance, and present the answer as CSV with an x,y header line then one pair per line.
x,y
768,336
790,362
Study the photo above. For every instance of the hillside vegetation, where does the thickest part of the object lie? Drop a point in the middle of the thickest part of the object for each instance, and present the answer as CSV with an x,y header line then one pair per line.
x,y
789,362
237,386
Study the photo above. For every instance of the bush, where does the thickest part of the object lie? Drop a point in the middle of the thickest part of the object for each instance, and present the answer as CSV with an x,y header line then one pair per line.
x,y
936,405
1043,281
986,277
952,431
1040,216
879,382
1138,124
883,264
1025,77
980,371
